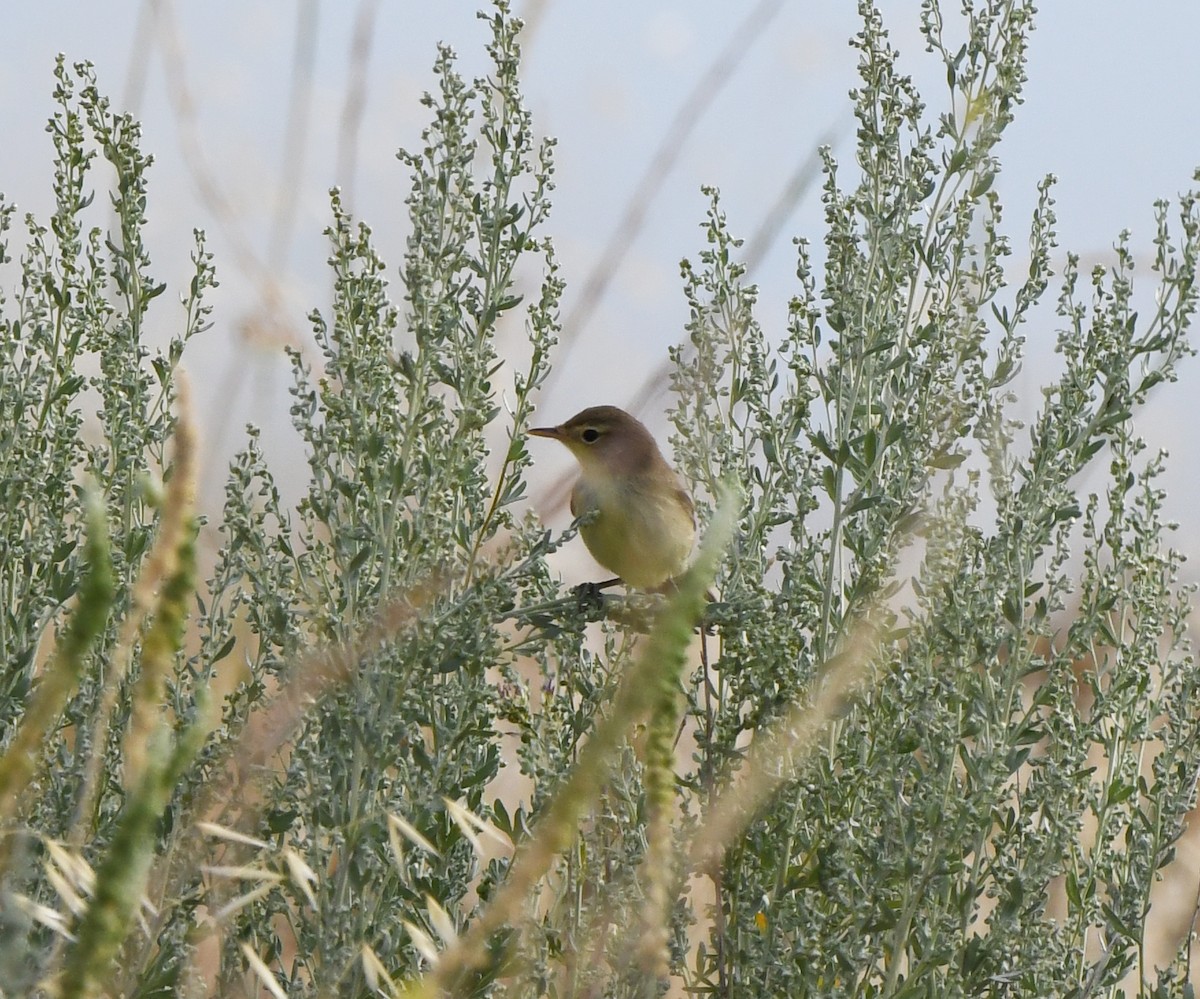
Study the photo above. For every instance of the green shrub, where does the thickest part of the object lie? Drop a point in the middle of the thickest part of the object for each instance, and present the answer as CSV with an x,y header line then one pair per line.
x,y
943,719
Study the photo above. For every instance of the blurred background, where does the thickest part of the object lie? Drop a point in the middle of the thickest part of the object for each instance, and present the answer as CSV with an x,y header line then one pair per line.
x,y
254,109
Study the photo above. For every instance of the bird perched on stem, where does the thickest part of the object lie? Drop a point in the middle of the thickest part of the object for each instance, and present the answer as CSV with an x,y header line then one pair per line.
x,y
644,523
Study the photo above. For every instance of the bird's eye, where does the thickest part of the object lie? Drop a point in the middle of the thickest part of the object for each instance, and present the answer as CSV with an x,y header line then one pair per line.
x,y
590,436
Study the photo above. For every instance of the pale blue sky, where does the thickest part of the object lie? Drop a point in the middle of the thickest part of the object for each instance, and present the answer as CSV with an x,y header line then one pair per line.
x,y
1111,108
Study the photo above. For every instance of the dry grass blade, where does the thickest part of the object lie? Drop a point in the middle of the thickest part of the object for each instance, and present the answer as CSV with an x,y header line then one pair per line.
x,y
636,697
771,759
231,835
19,761
263,973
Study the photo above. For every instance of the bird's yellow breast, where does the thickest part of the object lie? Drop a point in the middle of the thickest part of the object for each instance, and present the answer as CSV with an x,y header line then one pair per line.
x,y
642,529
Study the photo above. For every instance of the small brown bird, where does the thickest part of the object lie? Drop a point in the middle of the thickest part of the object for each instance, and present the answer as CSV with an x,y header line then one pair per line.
x,y
645,524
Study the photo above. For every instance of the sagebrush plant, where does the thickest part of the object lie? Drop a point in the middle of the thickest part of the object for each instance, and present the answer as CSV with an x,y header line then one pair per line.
x,y
942,740
1002,747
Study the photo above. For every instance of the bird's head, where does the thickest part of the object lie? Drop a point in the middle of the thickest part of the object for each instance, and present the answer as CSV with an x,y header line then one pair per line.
x,y
604,438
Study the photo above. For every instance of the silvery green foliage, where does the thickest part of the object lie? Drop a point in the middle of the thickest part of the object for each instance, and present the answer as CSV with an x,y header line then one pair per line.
x,y
990,815
85,403
405,507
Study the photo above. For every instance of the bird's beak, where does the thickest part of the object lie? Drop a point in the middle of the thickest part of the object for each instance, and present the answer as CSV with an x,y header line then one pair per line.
x,y
552,432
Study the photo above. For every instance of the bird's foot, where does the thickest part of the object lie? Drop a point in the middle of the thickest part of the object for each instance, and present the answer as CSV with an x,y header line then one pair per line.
x,y
590,596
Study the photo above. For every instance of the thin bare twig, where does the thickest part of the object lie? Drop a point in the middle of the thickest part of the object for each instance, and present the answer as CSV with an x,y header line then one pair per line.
x,y
211,194
291,170
702,94
355,104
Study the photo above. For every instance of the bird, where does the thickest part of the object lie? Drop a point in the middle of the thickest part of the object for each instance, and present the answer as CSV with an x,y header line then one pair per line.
x,y
638,520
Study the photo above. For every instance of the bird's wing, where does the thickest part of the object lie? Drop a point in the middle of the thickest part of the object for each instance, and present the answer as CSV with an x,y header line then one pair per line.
x,y
686,499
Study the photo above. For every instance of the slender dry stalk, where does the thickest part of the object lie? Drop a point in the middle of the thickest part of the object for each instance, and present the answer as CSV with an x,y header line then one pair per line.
x,y
637,697
690,112
20,759
772,758
355,102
